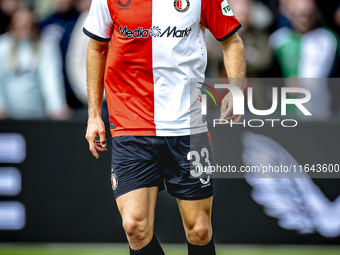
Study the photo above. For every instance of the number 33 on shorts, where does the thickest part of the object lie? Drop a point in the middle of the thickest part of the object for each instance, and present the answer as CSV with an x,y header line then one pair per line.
x,y
198,169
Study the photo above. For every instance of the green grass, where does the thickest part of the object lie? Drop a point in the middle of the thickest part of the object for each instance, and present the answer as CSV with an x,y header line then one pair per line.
x,y
120,249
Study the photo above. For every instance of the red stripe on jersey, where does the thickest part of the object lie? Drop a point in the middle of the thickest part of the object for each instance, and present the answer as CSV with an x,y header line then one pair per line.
x,y
129,83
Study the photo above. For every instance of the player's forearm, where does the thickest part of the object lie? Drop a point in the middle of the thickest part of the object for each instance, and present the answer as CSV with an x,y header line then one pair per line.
x,y
234,60
96,60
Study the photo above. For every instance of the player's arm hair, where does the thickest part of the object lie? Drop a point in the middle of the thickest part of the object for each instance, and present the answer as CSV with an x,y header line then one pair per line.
x,y
96,61
234,60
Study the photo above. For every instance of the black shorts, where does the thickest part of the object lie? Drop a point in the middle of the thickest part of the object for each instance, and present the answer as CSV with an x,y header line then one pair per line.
x,y
148,161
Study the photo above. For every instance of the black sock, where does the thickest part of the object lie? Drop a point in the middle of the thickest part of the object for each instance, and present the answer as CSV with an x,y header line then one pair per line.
x,y
153,248
208,249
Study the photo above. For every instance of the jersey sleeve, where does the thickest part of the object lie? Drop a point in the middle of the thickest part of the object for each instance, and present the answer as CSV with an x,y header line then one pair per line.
x,y
217,16
99,24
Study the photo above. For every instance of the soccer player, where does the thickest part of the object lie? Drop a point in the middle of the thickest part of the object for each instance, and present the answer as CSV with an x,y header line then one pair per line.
x,y
145,53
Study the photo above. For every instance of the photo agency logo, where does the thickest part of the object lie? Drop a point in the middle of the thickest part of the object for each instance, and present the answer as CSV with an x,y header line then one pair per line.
x,y
239,105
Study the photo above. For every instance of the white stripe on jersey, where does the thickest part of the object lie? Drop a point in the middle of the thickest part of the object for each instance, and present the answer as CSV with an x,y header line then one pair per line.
x,y
175,62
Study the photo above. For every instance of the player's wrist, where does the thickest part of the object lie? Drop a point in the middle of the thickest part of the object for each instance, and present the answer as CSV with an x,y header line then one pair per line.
x,y
94,117
94,113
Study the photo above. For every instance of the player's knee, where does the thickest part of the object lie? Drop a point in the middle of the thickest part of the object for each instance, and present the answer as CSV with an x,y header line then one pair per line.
x,y
136,229
199,234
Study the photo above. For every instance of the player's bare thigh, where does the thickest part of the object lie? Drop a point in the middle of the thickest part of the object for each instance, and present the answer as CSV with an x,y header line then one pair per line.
x,y
137,209
196,217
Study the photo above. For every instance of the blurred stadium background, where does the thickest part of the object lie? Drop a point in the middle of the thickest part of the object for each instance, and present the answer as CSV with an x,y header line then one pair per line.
x,y
55,198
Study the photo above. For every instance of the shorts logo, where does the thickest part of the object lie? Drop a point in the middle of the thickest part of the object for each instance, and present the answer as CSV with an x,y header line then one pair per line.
x,y
226,10
205,182
181,5
114,181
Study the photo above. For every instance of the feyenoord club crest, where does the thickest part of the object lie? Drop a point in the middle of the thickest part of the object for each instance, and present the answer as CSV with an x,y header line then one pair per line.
x,y
114,181
181,5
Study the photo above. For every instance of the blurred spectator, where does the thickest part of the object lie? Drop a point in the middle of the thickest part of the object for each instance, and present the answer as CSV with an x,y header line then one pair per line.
x,y
43,8
31,85
285,13
7,8
257,51
307,51
76,54
58,27
255,18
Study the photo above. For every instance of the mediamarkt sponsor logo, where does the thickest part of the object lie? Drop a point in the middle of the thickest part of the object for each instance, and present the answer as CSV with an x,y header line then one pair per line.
x,y
155,31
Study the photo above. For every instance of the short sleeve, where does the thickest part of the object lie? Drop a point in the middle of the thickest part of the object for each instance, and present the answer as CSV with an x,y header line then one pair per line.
x,y
99,24
217,16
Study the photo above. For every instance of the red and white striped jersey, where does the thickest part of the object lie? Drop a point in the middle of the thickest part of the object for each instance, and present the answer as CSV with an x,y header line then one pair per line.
x,y
156,48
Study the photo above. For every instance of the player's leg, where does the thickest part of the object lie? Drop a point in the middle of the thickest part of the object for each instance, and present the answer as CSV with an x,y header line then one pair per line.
x,y
137,209
136,180
196,217
194,195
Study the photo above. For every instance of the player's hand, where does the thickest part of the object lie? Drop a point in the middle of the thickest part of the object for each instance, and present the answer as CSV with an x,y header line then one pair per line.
x,y
227,109
95,128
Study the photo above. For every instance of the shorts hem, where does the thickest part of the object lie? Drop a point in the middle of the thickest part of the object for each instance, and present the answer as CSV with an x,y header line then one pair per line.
x,y
192,198
160,188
